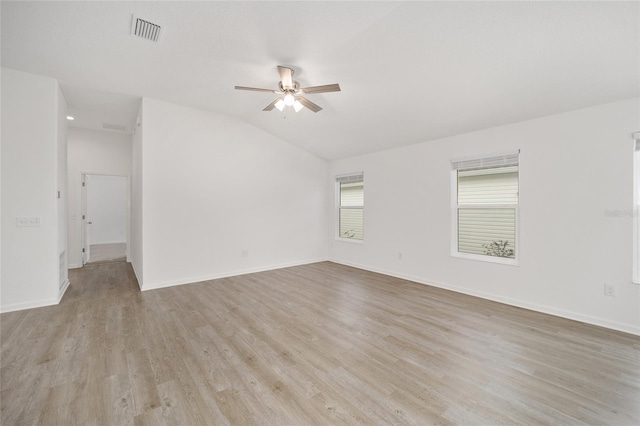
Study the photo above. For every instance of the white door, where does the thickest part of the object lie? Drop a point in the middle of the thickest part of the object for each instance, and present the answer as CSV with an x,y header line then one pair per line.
x,y
86,223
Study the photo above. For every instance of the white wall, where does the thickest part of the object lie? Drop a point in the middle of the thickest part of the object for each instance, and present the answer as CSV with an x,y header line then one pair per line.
x,y
107,208
573,167
92,152
32,111
135,214
213,186
207,187
61,180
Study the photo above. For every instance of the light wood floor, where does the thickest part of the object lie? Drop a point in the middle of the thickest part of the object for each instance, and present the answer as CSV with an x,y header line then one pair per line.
x,y
316,344
107,252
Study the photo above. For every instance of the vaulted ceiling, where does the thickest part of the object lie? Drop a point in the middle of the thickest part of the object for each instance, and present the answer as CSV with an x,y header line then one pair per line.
x,y
409,71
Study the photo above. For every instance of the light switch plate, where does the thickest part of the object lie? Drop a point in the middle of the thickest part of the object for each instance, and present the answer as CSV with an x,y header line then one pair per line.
x,y
22,222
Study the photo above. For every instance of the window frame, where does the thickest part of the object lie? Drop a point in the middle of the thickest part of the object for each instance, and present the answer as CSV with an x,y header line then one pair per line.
x,y
455,208
339,207
635,277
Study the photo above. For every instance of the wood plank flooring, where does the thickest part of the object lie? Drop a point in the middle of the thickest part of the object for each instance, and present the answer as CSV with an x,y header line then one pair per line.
x,y
114,252
310,345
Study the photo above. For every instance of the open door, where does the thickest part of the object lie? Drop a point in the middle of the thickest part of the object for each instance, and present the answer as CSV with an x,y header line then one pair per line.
x,y
105,216
86,224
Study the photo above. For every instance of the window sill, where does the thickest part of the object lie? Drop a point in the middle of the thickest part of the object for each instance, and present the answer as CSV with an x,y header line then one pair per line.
x,y
349,240
486,259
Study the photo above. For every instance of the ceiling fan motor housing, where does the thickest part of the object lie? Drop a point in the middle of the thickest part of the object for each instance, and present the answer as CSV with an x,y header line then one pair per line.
x,y
294,89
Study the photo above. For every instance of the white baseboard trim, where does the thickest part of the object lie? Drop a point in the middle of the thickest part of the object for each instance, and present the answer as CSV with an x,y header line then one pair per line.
x,y
107,242
193,280
36,303
28,305
74,266
135,272
63,290
550,310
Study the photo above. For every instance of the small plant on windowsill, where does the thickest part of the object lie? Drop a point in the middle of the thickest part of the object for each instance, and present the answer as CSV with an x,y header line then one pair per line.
x,y
348,234
498,249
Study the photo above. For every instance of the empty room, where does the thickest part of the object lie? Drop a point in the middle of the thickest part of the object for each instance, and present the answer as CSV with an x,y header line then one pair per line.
x,y
318,213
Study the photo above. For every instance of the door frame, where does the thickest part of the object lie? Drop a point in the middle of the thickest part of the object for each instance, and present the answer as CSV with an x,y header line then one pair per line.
x,y
83,209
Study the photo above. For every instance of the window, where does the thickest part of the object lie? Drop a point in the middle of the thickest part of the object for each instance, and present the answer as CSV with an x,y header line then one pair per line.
x,y
636,211
351,206
486,208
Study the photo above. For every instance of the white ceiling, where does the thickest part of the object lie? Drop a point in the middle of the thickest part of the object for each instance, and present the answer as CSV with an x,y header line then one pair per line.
x,y
409,71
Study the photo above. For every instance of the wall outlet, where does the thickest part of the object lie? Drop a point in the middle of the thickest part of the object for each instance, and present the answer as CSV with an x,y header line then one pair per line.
x,y
609,290
244,253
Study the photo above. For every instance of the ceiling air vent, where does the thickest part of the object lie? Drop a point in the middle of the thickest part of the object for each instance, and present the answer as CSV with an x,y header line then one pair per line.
x,y
117,127
145,29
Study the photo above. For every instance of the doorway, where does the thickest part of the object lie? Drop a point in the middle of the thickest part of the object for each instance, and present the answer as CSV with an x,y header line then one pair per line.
x,y
105,218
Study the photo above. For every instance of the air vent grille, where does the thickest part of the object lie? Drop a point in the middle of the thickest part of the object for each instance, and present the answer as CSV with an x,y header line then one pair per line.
x,y
117,127
145,29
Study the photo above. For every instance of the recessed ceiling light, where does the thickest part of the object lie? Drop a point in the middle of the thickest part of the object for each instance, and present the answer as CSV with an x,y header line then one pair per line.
x,y
70,117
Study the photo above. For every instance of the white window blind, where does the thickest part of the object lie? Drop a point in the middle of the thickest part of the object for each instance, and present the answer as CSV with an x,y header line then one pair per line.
x,y
351,206
486,205
488,186
504,160
351,178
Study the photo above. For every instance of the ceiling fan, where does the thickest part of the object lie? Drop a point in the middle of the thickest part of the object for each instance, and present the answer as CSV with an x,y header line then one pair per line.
x,y
291,92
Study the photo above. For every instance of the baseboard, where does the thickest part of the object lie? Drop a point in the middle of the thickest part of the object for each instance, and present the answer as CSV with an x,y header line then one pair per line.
x,y
74,266
549,310
109,242
36,303
28,305
63,290
135,272
193,280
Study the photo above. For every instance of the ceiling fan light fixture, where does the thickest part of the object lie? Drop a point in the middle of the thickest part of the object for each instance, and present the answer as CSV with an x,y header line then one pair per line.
x,y
289,99
291,94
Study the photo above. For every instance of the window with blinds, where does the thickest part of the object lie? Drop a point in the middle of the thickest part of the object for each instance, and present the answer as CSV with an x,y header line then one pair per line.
x,y
636,206
351,206
486,206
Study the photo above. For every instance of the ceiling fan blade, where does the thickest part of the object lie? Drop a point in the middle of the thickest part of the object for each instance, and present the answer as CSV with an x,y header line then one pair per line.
x,y
307,103
321,89
272,105
254,89
286,77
